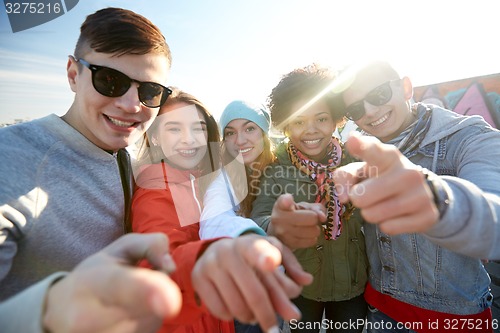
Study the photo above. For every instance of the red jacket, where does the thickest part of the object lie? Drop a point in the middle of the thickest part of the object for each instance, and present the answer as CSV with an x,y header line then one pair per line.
x,y
173,207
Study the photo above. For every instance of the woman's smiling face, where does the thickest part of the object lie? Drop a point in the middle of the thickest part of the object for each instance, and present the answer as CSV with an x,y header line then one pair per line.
x,y
182,135
311,131
242,136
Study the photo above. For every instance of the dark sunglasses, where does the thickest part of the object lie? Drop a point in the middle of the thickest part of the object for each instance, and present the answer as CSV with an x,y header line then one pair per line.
x,y
378,96
112,83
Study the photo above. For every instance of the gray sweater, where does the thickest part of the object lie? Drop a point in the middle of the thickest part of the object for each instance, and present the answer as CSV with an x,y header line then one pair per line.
x,y
61,200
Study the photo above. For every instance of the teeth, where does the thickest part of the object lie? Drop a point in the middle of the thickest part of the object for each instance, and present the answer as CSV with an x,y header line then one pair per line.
x,y
120,123
380,121
311,142
187,152
245,150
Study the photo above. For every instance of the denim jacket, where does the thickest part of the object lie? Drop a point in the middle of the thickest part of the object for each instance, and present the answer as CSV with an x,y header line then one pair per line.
x,y
415,268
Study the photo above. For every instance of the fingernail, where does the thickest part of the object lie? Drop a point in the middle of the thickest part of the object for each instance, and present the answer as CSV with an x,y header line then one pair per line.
x,y
264,261
343,198
273,329
169,264
296,309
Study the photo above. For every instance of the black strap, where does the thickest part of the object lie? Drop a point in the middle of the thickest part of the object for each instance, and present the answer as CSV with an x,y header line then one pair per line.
x,y
127,177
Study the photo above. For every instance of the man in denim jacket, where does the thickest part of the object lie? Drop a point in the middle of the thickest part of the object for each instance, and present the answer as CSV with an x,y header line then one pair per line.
x,y
431,197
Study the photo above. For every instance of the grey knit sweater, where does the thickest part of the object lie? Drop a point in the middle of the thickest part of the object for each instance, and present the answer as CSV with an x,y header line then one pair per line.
x,y
61,200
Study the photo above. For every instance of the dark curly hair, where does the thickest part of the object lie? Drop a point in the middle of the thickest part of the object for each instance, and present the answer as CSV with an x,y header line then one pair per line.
x,y
303,84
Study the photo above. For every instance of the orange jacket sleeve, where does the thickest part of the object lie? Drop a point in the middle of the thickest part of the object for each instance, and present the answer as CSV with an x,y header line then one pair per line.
x,y
153,211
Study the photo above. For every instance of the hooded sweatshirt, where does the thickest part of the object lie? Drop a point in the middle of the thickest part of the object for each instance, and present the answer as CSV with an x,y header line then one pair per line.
x,y
436,271
466,153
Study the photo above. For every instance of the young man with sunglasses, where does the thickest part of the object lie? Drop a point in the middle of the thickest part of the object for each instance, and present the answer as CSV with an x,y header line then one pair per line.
x,y
430,192
62,198
63,181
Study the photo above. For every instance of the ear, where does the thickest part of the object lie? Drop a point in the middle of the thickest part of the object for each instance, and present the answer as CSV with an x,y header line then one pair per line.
x,y
154,141
72,72
285,131
407,88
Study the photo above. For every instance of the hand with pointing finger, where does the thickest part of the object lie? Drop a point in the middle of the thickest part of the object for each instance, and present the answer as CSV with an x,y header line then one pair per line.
x,y
388,188
239,278
107,293
297,225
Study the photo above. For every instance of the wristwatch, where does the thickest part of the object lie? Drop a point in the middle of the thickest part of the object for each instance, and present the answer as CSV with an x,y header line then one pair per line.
x,y
441,199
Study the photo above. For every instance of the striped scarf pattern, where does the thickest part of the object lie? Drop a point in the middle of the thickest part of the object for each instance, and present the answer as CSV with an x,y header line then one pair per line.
x,y
412,136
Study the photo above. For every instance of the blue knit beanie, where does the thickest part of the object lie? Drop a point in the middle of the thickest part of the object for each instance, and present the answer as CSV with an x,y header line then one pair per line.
x,y
245,110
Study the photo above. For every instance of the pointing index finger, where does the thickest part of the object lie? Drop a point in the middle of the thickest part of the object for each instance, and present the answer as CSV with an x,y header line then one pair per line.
x,y
379,157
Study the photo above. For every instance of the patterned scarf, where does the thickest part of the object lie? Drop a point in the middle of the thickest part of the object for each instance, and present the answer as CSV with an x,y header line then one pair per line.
x,y
413,135
322,174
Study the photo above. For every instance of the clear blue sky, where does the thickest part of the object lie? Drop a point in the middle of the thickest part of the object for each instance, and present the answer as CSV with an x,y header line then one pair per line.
x,y
231,49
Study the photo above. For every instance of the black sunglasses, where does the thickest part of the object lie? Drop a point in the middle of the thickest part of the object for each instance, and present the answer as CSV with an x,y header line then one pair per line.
x,y
112,83
378,96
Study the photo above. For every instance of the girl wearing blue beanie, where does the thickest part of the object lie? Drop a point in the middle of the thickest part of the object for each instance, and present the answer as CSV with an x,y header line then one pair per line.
x,y
246,151
245,128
